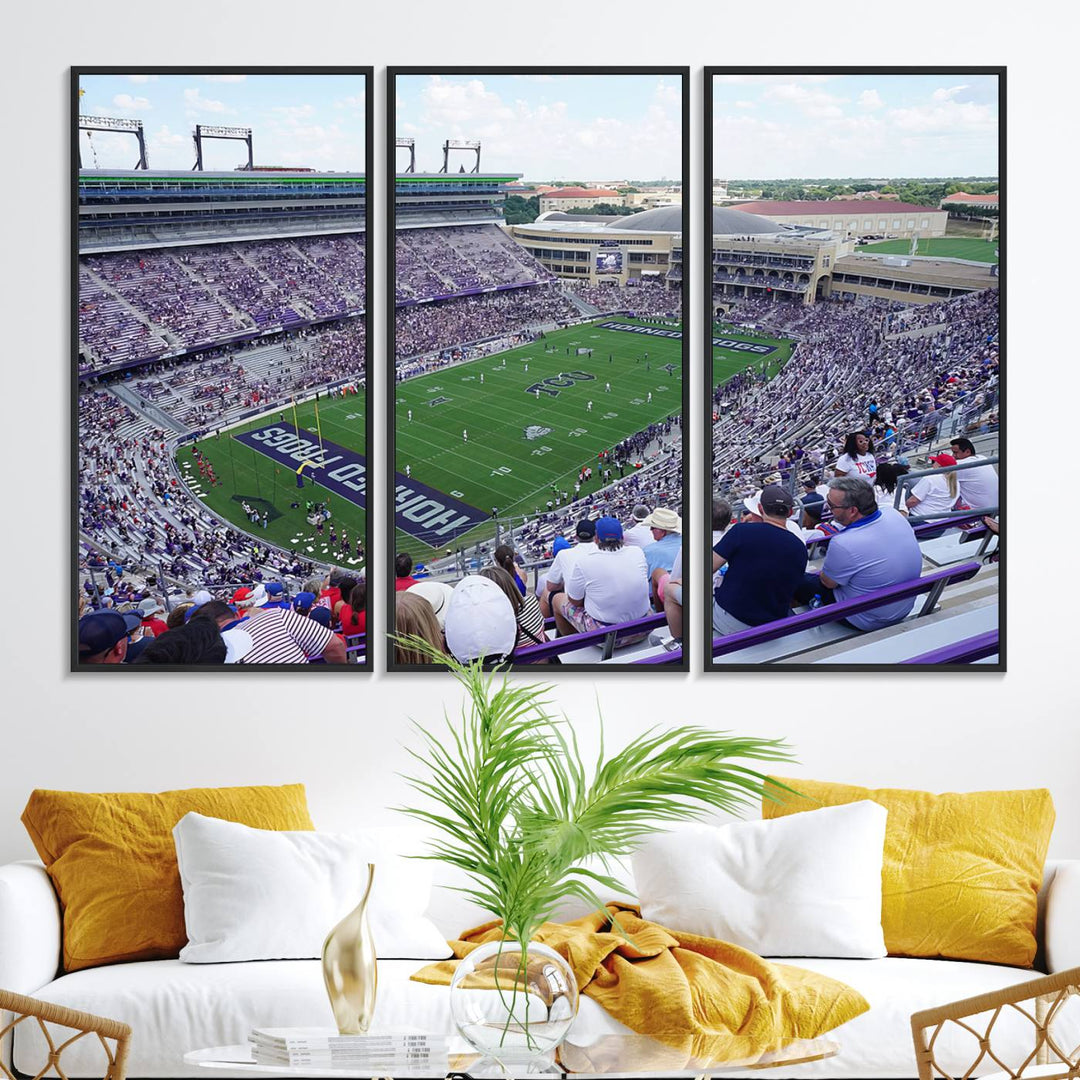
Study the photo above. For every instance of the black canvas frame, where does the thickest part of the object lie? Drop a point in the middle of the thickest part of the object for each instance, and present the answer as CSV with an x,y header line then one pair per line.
x,y
368,74
705,272
683,73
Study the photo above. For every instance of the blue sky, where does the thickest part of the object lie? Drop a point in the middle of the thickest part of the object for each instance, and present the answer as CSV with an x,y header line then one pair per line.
x,y
548,127
314,121
773,127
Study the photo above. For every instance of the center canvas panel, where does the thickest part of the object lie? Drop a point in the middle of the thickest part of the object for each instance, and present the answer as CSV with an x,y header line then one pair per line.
x,y
536,247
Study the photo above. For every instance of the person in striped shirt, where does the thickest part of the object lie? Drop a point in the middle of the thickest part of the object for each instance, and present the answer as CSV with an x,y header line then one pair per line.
x,y
279,636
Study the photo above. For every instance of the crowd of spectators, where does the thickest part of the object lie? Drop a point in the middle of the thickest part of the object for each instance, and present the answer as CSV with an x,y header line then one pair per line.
x,y
323,622
133,508
649,298
847,375
139,304
447,324
444,261
207,393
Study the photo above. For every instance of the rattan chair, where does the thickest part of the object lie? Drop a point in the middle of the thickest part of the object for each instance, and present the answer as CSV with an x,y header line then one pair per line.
x,y
1041,1002
114,1037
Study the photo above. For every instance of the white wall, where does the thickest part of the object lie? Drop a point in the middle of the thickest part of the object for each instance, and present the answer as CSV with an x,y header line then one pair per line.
x,y
341,735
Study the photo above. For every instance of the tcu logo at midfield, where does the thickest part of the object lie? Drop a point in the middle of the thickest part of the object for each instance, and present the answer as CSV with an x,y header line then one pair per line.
x,y
554,383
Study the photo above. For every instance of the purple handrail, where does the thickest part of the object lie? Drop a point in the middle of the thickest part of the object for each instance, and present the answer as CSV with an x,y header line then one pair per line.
x,y
780,628
590,637
960,652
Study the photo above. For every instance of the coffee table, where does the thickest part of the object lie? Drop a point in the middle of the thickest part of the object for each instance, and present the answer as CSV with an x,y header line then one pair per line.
x,y
628,1056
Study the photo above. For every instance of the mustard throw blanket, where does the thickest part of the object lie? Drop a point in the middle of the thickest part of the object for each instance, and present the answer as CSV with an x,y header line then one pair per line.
x,y
704,998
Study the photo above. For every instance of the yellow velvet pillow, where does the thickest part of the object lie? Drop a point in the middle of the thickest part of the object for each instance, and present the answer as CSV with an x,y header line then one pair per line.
x,y
113,864
961,872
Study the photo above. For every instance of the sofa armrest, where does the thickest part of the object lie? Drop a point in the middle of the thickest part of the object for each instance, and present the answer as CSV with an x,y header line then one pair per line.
x,y
1063,917
29,928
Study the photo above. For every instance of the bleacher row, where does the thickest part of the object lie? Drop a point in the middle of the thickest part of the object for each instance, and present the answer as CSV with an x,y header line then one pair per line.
x,y
954,620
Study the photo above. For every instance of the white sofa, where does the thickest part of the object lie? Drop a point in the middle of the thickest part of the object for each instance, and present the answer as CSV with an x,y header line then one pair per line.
x,y
175,1007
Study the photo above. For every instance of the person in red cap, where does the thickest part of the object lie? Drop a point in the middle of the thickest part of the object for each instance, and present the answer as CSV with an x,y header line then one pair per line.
x,y
936,494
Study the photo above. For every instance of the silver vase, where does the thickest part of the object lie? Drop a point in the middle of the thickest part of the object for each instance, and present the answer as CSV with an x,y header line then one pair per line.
x,y
349,968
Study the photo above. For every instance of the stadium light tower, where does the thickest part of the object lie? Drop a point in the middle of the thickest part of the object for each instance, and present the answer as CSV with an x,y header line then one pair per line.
x,y
110,123
214,131
460,144
410,145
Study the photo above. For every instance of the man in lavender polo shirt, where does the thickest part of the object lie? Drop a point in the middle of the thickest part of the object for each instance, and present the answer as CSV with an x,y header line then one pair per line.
x,y
877,548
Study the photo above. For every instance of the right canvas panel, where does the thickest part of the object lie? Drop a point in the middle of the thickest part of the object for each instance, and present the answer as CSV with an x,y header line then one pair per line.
x,y
854,253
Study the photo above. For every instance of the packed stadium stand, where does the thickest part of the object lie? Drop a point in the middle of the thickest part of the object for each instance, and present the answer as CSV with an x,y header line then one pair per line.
x,y
204,299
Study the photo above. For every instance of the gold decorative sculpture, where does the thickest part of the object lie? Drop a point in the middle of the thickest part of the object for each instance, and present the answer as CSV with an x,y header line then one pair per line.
x,y
349,968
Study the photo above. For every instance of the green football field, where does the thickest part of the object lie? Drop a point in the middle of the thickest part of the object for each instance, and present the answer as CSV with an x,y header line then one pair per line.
x,y
728,362
958,247
504,464
245,475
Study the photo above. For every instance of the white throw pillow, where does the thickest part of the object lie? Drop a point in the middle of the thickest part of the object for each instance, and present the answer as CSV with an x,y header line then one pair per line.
x,y
804,885
259,894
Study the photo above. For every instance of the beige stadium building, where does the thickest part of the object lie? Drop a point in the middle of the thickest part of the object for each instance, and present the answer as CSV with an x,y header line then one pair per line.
x,y
600,250
851,218
756,257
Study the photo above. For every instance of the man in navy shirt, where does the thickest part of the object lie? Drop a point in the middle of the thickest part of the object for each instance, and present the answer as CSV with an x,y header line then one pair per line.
x,y
765,565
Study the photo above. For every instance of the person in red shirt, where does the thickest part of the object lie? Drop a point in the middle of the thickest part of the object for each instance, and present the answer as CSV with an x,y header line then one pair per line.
x,y
403,578
150,610
353,613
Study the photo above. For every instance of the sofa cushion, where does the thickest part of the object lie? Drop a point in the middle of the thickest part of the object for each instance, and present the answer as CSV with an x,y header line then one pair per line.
x,y
961,872
112,860
805,885
175,1007
266,894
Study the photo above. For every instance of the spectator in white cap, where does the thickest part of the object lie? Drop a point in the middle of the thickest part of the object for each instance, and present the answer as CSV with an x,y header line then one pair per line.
x,y
480,622
666,529
638,534
437,594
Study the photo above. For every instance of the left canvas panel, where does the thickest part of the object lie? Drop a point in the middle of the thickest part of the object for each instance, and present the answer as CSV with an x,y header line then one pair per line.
x,y
220,339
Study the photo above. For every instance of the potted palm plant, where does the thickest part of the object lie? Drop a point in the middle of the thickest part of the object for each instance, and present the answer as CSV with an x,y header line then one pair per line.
x,y
516,808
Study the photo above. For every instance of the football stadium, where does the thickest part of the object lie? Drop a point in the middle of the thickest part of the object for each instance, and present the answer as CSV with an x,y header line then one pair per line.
x,y
886,383
222,355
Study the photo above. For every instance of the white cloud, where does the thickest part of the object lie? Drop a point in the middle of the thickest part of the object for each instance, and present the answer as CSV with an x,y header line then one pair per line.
x,y
142,78
132,104
946,118
196,103
353,101
293,114
169,150
947,93
870,99
544,140
669,93
224,78
744,104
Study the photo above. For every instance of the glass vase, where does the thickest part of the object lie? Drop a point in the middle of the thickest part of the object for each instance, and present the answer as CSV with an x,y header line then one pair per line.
x,y
514,1005
349,968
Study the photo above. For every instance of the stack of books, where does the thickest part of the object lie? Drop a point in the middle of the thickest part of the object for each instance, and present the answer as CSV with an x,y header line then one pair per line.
x,y
323,1048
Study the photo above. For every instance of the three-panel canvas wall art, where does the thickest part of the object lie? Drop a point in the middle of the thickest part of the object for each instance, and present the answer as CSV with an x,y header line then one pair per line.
x,y
558,305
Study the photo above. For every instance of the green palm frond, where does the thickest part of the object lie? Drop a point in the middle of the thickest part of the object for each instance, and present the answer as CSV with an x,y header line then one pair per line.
x,y
518,811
